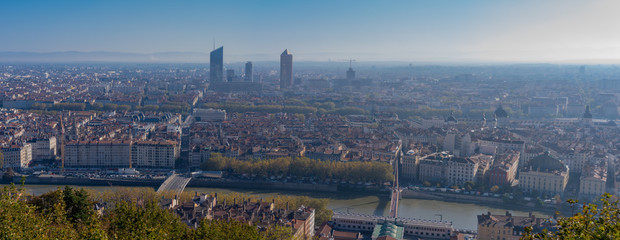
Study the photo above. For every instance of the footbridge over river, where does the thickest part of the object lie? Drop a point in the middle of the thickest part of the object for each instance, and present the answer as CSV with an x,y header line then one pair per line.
x,y
396,190
175,183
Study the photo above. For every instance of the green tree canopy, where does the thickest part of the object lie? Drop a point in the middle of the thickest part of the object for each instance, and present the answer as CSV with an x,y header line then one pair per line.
x,y
600,221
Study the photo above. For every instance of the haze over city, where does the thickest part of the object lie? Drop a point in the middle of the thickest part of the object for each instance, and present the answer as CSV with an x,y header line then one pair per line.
x,y
297,120
417,31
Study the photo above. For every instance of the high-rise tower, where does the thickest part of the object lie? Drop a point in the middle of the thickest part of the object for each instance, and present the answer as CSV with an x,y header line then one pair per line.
x,y
230,75
350,72
286,69
217,65
249,72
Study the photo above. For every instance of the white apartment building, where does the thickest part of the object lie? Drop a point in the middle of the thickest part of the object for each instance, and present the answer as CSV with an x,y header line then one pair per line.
x,y
101,154
17,156
155,154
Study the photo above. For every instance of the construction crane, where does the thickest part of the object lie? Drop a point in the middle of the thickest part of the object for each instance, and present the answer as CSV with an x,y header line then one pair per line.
x,y
351,62
62,144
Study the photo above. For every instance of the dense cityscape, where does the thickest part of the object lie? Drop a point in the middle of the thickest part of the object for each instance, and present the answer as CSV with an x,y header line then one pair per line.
x,y
478,134
327,120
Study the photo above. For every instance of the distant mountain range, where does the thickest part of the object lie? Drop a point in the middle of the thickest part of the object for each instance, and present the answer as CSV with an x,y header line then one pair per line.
x,y
74,56
166,57
203,57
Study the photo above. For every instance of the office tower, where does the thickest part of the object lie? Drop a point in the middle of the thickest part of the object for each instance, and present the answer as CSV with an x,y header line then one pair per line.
x,y
230,75
249,72
350,74
286,69
217,65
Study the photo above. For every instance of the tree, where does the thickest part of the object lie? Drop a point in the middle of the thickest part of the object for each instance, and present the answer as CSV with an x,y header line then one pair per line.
x,y
469,185
79,208
8,175
218,229
150,108
96,106
594,222
123,107
129,221
277,232
72,210
20,220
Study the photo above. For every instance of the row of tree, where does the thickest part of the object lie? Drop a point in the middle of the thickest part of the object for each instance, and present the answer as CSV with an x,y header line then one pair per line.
x,y
377,172
327,108
173,107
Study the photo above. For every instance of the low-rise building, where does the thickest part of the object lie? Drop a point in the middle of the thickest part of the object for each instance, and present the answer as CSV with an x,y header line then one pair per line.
x,y
409,165
593,180
16,156
504,169
505,227
544,174
98,154
418,228
447,169
503,145
155,154
43,148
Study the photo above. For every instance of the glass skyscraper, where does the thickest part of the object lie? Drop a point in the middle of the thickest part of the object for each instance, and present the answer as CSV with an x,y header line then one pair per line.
x,y
249,72
217,65
286,69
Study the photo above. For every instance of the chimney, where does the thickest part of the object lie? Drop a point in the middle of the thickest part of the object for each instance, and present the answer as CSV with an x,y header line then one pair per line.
x,y
489,213
234,201
508,214
538,220
286,206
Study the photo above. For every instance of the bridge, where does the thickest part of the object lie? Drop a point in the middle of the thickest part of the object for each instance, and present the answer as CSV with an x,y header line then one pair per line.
x,y
174,183
395,190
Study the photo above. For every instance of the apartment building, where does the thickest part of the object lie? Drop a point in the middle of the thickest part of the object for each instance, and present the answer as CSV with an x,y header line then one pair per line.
x,y
155,154
17,156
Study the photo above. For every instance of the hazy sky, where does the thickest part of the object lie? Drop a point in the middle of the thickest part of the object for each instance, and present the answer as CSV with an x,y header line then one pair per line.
x,y
431,30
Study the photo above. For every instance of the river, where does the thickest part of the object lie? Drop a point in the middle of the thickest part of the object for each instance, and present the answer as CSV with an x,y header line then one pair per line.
x,y
462,215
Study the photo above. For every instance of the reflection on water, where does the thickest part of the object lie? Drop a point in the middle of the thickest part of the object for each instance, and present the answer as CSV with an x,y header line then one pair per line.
x,y
462,215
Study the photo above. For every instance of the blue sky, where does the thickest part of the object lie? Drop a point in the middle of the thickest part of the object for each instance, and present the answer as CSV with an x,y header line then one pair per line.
x,y
320,30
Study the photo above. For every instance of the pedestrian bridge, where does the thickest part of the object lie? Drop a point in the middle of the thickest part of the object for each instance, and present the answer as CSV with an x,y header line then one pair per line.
x,y
395,190
175,183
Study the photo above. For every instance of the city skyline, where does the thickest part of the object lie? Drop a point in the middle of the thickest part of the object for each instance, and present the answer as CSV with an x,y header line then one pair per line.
x,y
488,31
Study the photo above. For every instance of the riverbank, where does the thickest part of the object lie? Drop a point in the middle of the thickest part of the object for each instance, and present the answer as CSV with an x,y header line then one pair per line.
x,y
482,200
205,183
306,188
462,215
62,180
